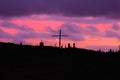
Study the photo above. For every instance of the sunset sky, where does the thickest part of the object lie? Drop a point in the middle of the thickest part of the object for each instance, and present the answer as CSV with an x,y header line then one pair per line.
x,y
91,24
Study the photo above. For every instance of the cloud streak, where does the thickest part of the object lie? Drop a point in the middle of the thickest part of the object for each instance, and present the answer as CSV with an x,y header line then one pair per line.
x,y
8,24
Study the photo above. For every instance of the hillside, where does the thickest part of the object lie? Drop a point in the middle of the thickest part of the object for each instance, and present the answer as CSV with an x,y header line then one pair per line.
x,y
25,62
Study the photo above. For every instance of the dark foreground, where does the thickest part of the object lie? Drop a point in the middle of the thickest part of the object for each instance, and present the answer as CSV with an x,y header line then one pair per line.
x,y
49,63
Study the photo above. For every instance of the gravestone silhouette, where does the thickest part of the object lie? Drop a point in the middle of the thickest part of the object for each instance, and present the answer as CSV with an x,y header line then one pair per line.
x,y
41,44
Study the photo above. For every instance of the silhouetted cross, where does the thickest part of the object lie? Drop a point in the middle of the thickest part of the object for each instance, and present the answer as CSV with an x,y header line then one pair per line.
x,y
60,36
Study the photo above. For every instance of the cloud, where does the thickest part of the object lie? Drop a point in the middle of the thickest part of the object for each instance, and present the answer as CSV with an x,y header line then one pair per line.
x,y
116,27
85,20
24,32
70,8
74,32
112,34
8,24
4,34
69,29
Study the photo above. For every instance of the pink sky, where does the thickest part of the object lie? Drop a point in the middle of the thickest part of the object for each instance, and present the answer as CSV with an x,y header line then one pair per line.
x,y
93,24
86,32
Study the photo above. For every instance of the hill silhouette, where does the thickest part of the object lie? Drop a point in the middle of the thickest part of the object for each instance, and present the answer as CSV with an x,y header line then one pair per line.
x,y
27,62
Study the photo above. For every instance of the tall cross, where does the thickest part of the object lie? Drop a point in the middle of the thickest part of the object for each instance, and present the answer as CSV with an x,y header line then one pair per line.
x,y
60,37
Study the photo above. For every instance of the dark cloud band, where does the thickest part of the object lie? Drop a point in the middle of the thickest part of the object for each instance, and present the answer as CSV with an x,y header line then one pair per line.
x,y
71,8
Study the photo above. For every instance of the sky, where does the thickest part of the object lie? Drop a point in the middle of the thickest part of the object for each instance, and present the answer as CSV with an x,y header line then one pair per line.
x,y
91,24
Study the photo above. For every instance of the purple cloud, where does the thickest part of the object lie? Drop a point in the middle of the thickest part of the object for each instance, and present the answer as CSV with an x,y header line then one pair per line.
x,y
24,32
76,33
4,34
8,24
92,28
15,39
71,30
112,34
85,20
71,8
116,27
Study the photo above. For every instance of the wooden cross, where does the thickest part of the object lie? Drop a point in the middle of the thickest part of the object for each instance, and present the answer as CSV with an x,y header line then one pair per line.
x,y
60,37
